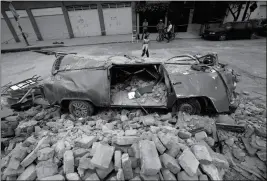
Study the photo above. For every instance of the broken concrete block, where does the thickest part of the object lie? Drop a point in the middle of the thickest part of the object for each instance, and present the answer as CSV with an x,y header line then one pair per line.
x,y
93,177
117,160
167,175
131,132
251,151
103,173
219,160
126,140
249,131
262,155
19,152
201,135
160,147
13,172
184,134
137,178
174,151
29,173
103,156
136,150
135,162
154,129
86,163
210,141
124,118
127,166
85,141
72,176
10,178
60,149
184,176
68,166
150,162
202,154
14,163
29,159
95,144
203,177
148,120
170,163
80,152
211,171
149,177
57,177
239,154
46,169
45,153
29,141
120,175
188,162
166,117
168,140
225,119
87,173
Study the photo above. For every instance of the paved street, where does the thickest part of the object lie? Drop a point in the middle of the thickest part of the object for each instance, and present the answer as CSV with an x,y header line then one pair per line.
x,y
247,57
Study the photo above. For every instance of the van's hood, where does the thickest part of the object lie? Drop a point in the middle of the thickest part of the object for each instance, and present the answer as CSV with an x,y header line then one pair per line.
x,y
215,29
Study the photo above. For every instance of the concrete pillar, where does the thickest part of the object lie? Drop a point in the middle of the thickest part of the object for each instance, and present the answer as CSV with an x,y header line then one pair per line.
x,y
190,19
101,19
138,23
34,25
10,26
67,20
133,15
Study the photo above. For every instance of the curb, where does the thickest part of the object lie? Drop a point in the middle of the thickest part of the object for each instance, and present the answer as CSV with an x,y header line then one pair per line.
x,y
57,46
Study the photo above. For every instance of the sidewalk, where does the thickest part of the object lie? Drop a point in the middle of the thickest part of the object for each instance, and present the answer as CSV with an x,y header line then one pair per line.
x,y
15,47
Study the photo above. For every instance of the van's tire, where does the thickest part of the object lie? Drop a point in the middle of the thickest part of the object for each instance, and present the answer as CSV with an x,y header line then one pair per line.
x,y
253,36
81,108
189,106
222,37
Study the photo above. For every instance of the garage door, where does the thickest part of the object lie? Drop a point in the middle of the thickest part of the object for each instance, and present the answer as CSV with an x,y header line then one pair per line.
x,y
51,23
25,24
84,20
117,18
6,35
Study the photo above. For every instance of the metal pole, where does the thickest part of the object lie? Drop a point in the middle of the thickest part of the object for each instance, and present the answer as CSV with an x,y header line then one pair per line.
x,y
16,16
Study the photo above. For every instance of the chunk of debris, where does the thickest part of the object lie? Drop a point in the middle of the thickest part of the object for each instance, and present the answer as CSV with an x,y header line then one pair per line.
x,y
170,163
117,160
29,173
126,166
45,154
211,171
251,151
202,154
103,156
201,135
57,177
225,119
167,175
148,120
160,147
103,173
85,141
46,169
184,176
126,140
262,155
188,162
72,176
150,162
120,175
68,162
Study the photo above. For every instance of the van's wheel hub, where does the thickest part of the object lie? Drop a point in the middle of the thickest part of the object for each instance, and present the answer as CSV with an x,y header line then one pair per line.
x,y
186,108
189,106
80,109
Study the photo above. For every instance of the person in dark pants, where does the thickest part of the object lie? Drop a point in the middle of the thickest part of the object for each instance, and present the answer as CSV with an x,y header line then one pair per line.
x,y
145,27
145,45
169,31
160,28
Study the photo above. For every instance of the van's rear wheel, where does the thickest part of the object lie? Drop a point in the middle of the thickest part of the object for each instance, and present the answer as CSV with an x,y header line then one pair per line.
x,y
189,106
222,37
81,109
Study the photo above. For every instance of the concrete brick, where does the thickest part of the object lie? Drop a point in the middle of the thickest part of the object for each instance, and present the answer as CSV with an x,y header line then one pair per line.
x,y
57,177
103,173
80,152
127,166
86,163
251,151
85,141
29,141
19,152
201,135
72,176
170,163
29,173
87,173
123,118
120,175
68,166
211,171
46,169
126,140
93,177
203,177
150,162
184,134
202,154
10,178
149,177
103,156
220,161
262,155
117,160
60,149
94,146
14,163
168,175
136,150
131,132
160,147
29,159
184,176
188,162
45,153
13,172
137,178
135,162
174,151
44,140
148,120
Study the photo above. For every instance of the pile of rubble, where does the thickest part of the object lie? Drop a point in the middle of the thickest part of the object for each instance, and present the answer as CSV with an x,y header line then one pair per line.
x,y
129,145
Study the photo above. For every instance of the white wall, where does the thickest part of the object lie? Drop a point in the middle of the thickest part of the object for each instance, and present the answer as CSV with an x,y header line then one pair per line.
x,y
260,12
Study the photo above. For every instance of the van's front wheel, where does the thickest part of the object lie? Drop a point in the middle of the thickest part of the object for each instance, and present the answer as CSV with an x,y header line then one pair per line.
x,y
189,106
81,109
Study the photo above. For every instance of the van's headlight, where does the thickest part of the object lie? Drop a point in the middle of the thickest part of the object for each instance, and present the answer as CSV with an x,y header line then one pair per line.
x,y
212,33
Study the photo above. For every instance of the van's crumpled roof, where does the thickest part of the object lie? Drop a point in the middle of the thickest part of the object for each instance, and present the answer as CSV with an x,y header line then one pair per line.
x,y
76,62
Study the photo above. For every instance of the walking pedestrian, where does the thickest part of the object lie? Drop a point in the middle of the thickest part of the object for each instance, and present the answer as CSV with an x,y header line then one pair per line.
x,y
169,31
145,45
160,28
145,27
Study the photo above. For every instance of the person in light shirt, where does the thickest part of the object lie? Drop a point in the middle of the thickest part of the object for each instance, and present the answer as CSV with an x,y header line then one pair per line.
x,y
145,45
169,31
